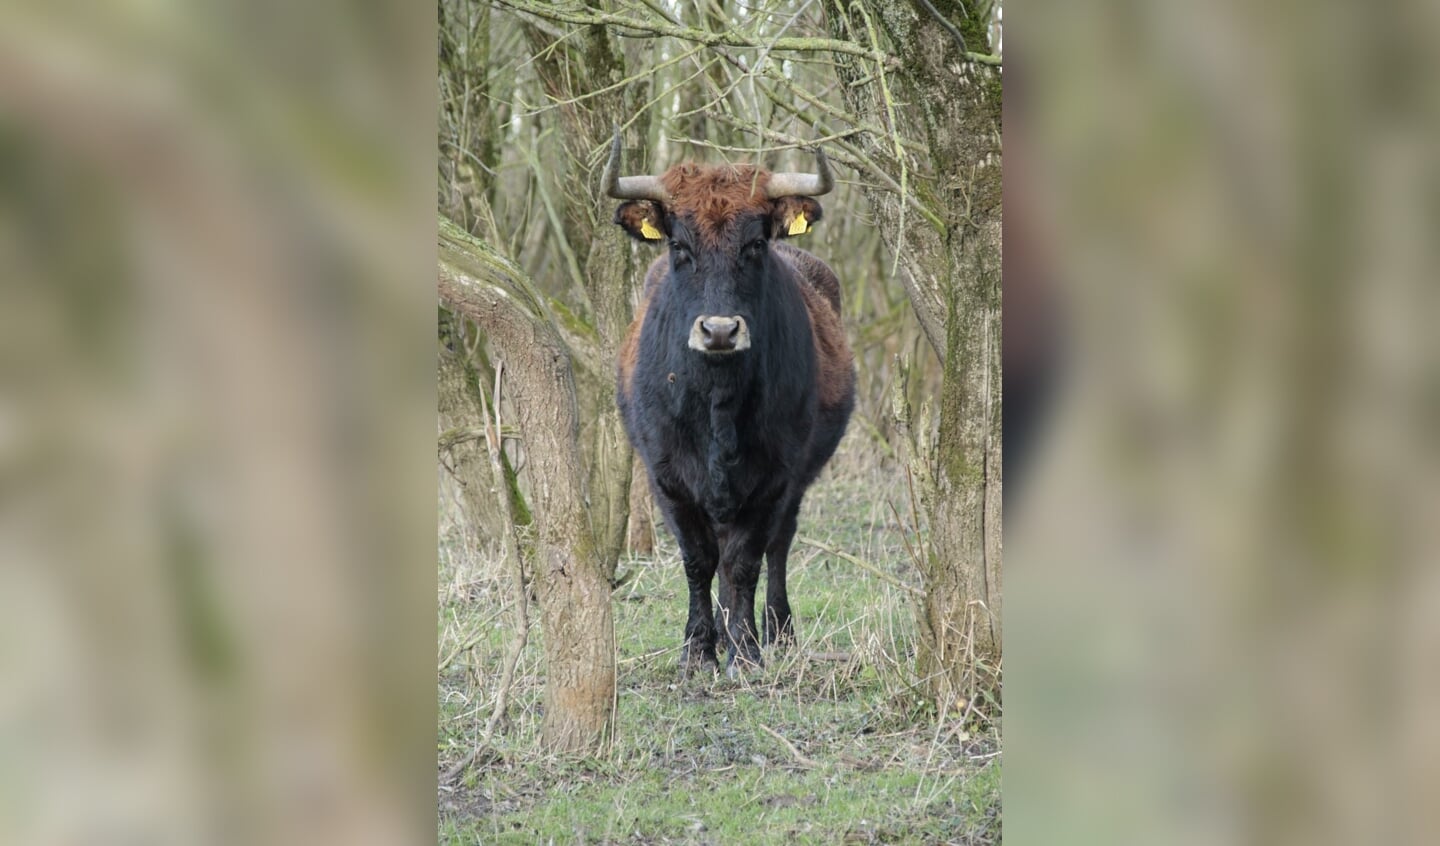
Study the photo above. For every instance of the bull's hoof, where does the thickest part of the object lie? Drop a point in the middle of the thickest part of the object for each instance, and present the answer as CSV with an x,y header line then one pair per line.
x,y
782,636
704,664
739,665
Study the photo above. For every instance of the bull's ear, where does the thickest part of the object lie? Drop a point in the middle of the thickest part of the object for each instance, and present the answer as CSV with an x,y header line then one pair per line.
x,y
793,216
643,220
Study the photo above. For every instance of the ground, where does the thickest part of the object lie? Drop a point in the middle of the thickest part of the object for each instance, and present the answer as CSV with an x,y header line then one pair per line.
x,y
829,743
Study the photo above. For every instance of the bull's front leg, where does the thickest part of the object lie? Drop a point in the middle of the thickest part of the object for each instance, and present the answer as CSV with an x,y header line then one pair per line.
x,y
700,554
740,557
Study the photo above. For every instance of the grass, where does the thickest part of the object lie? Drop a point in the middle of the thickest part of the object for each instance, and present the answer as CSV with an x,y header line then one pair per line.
x,y
814,748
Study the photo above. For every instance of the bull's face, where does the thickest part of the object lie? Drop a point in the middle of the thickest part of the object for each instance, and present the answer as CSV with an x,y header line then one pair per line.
x,y
718,223
718,267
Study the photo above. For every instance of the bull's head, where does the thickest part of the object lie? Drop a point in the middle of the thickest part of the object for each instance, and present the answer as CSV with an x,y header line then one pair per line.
x,y
718,223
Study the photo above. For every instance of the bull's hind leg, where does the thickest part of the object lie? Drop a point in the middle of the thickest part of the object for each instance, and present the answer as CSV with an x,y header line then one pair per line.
x,y
779,626
700,554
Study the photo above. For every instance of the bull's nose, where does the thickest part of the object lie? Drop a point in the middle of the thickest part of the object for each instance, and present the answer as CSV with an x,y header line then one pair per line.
x,y
713,334
719,332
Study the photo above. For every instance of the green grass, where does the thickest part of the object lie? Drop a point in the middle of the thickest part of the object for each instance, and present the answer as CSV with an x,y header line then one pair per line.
x,y
698,761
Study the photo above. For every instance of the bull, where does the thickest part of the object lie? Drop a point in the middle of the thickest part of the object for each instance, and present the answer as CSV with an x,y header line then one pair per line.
x,y
735,382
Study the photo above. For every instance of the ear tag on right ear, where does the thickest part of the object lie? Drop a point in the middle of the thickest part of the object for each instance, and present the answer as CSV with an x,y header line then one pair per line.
x,y
799,226
648,231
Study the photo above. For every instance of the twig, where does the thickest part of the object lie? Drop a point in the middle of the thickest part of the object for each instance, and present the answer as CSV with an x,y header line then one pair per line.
x,y
572,264
955,33
464,434
799,758
894,128
650,28
517,569
648,71
647,656
861,563
862,163
838,657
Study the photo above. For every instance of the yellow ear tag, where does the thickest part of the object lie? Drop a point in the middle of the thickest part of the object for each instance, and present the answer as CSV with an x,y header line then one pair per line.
x,y
798,226
649,232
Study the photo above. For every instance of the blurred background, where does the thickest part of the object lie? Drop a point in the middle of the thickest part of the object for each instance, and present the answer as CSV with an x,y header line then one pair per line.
x,y
1221,617
216,424
216,536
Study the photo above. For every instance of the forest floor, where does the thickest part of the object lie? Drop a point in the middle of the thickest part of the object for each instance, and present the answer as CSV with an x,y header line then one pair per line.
x,y
828,743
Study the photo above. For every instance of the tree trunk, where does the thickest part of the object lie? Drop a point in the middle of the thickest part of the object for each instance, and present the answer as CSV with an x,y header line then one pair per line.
x,y
570,70
572,587
463,455
949,257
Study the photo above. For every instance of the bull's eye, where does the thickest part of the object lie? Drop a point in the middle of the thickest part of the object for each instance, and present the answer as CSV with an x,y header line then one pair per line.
x,y
679,253
756,247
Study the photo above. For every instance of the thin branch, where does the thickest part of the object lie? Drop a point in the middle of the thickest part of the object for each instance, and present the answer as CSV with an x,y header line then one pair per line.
x,y
954,33
856,159
572,263
520,601
517,568
464,434
652,29
894,129
650,71
862,564
795,753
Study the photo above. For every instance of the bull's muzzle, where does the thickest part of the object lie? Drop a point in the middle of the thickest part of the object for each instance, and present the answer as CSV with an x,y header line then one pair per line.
x,y
719,334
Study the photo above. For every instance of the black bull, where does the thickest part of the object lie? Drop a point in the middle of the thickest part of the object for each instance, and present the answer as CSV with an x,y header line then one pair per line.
x,y
735,382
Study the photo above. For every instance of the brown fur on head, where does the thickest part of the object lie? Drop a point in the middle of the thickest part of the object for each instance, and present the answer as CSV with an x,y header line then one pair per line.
x,y
712,197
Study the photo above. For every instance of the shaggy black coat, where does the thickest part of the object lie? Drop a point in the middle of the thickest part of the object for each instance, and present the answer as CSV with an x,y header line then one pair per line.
x,y
732,441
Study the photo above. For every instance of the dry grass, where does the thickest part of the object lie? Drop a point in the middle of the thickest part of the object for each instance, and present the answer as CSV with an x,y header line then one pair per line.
x,y
829,743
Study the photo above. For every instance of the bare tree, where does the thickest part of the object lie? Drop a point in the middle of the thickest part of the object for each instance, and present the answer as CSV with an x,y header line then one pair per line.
x,y
571,585
577,74
943,226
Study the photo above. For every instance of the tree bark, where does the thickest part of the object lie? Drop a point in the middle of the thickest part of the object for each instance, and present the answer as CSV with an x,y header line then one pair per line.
x,y
949,257
575,68
464,458
571,584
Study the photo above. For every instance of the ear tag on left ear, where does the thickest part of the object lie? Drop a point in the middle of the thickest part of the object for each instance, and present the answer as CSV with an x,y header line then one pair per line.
x,y
799,225
649,231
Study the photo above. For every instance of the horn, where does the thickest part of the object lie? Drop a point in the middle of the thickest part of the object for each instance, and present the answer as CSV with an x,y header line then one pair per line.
x,y
802,184
629,187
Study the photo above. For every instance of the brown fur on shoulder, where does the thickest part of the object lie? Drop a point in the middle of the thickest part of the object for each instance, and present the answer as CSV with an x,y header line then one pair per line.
x,y
716,194
821,290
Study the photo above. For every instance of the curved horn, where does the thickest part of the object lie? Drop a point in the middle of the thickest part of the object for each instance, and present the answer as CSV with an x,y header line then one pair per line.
x,y
802,184
629,187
